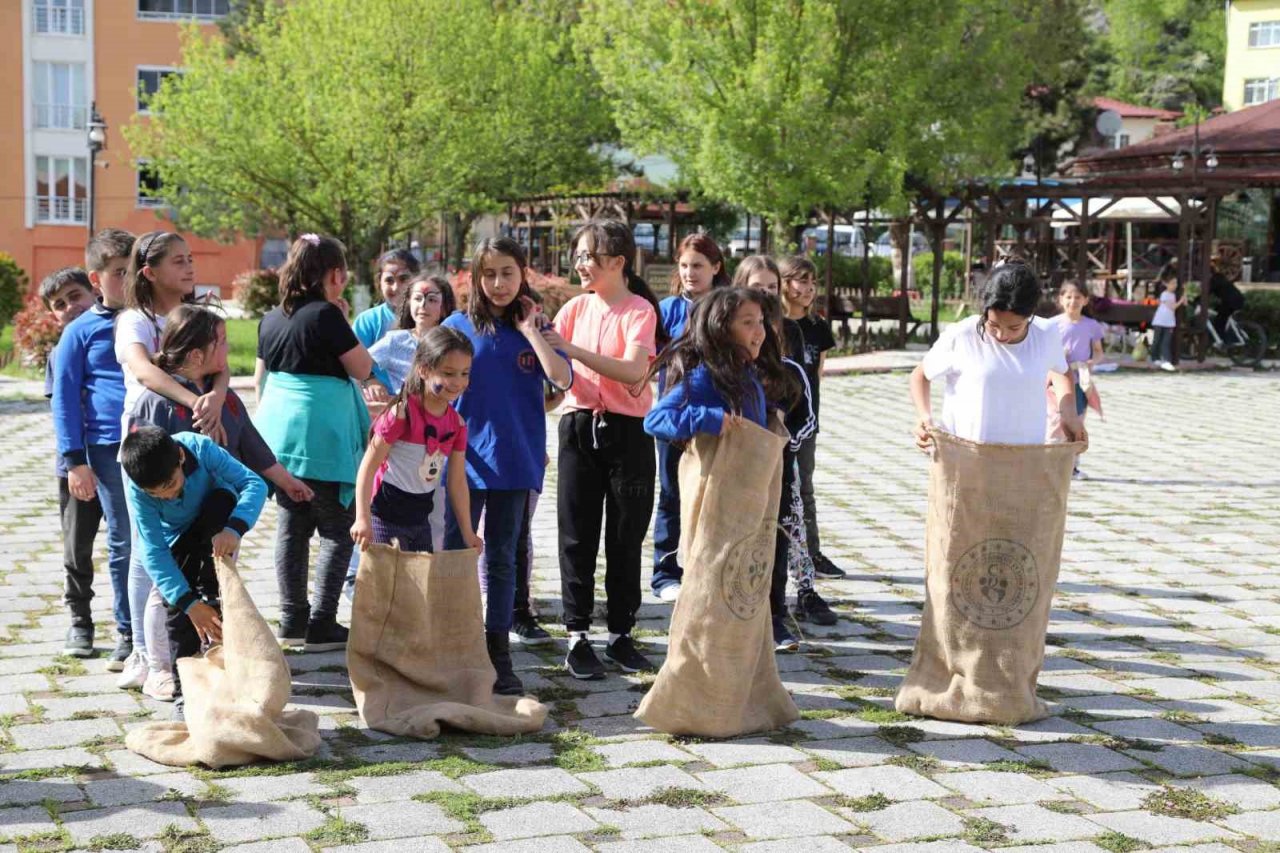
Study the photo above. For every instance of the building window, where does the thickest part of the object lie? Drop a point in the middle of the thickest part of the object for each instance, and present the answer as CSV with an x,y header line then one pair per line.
x,y
166,10
150,190
1119,140
60,17
1260,90
62,194
1264,34
149,80
59,95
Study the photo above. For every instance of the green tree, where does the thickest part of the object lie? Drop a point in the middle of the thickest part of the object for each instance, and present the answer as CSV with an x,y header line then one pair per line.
x,y
363,118
781,106
1161,53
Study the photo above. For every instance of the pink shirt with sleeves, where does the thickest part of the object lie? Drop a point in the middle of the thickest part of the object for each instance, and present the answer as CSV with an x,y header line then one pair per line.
x,y
589,322
413,438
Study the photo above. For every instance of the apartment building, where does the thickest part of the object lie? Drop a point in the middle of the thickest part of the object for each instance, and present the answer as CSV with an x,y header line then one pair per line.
x,y
58,60
1252,69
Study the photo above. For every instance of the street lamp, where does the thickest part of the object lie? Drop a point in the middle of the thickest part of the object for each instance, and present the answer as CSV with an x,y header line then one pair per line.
x,y
97,142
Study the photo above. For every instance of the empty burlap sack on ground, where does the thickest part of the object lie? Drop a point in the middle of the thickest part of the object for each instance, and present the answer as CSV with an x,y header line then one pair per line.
x,y
720,678
234,697
416,653
993,541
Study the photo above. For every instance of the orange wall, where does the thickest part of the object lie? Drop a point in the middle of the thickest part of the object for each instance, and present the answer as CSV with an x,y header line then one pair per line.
x,y
121,44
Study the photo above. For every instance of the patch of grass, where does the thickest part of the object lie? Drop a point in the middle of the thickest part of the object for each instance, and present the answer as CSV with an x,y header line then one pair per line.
x,y
468,807
883,716
1188,803
787,736
572,750
337,831
115,841
176,840
822,714
839,673
242,345
870,803
1217,739
1118,842
53,841
982,832
1184,717
900,735
685,798
1030,767
919,763
1061,806
826,765
64,665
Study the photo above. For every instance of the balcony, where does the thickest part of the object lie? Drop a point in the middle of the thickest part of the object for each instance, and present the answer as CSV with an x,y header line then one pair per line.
x,y
61,210
59,20
61,116
182,10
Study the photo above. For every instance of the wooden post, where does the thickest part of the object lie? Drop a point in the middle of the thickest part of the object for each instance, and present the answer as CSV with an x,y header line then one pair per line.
x,y
939,234
1082,259
904,280
828,287
764,236
1209,219
671,230
864,332
1186,241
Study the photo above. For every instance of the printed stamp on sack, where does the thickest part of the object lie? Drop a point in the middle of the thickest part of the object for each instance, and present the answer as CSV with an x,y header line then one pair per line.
x,y
995,584
747,573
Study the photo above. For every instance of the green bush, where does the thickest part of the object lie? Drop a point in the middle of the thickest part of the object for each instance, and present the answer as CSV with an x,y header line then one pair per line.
x,y
13,288
1263,306
952,284
846,273
257,291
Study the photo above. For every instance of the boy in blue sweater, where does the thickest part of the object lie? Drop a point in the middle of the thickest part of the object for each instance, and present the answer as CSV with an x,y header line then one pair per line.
x,y
87,389
191,501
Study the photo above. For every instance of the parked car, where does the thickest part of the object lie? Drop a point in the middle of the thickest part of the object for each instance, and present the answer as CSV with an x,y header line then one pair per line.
x,y
848,239
884,249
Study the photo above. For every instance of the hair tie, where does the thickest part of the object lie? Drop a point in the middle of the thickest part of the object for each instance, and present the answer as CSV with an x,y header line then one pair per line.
x,y
313,239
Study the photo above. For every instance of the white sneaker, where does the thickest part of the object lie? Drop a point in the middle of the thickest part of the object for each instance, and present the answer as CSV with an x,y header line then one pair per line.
x,y
159,685
134,674
1165,365
669,593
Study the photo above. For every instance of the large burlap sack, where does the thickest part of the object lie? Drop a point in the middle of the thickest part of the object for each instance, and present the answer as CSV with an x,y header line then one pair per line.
x,y
417,655
234,697
720,678
993,541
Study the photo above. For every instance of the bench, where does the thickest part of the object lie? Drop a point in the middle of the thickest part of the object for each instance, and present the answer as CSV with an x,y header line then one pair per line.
x,y
846,305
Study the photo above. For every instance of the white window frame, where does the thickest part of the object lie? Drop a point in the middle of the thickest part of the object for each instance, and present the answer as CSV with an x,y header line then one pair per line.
x,y
59,17
200,10
1264,34
160,70
1260,90
51,112
145,202
62,210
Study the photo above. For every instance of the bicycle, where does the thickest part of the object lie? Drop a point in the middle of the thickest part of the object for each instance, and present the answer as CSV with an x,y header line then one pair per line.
x,y
1242,341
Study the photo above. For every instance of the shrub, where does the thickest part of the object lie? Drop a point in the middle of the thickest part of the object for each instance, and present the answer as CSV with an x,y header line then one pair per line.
x,y
1263,306
257,291
35,333
13,288
952,284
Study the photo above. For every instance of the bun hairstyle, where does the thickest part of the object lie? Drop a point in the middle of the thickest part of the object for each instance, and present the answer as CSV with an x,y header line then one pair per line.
x,y
448,304
147,251
1012,286
702,243
187,328
310,259
614,238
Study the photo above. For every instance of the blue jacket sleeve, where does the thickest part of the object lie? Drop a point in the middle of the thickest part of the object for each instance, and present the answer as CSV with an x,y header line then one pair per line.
x,y
366,326
250,490
157,559
674,418
68,398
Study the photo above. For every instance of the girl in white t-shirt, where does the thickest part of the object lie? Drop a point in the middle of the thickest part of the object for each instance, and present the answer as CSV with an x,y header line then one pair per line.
x,y
1166,320
161,276
996,365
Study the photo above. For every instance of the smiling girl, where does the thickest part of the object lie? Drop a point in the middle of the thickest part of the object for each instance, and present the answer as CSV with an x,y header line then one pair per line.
x,y
506,425
428,302
396,271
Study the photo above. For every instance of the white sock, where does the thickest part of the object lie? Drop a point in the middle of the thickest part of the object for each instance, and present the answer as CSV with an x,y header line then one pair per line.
x,y
614,637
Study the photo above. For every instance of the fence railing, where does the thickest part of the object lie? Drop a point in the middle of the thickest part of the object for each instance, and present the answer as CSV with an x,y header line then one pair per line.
x,y
67,21
51,208
61,116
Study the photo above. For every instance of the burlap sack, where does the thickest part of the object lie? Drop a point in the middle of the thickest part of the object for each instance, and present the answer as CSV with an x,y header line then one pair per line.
x,y
720,678
416,653
993,540
234,697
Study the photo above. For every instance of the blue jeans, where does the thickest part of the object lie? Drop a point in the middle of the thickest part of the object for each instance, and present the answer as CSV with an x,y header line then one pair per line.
x,y
666,521
503,512
106,468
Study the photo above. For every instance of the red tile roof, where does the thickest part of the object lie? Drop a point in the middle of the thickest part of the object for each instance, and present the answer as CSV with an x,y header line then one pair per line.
x,y
1135,111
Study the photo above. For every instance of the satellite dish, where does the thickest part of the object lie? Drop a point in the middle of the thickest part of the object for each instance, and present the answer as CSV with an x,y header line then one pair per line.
x,y
1109,122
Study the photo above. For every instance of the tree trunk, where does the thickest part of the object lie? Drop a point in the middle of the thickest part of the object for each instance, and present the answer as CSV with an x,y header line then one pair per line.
x,y
459,231
899,240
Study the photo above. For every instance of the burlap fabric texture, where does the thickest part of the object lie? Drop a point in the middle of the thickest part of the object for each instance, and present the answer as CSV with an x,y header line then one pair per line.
x,y
235,697
720,678
993,541
417,655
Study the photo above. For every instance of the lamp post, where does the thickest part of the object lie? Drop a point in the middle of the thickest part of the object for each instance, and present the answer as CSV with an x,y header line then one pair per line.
x,y
97,138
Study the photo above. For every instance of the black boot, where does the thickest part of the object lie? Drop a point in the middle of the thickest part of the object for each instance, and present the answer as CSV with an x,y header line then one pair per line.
x,y
499,644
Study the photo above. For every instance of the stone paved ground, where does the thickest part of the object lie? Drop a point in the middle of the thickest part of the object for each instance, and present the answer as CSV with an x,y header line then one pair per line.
x,y
1162,667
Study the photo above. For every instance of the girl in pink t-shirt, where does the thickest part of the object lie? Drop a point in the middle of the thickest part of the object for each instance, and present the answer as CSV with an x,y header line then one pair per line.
x,y
606,460
416,440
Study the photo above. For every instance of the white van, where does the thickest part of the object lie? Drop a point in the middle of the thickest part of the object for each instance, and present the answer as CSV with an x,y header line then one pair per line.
x,y
849,240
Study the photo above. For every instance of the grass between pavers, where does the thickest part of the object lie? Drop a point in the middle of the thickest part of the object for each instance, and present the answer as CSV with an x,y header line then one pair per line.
x,y
924,764
467,807
115,841
52,841
984,832
1118,842
900,735
177,840
870,803
1188,803
336,830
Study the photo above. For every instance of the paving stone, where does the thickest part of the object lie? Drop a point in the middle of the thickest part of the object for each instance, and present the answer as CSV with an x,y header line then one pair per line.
x,y
852,751
254,821
382,789
1030,823
20,792
839,727
141,821
1078,757
519,754
126,791
896,783
545,781
128,763
264,789
1158,829
1064,847
397,752
25,820
926,847
66,733
641,751
1000,788
546,844
788,819
279,845
681,844
1191,760
118,702
809,844
401,819
1160,731
907,821
1049,730
536,819
1243,791
608,704
636,783
49,759
399,845
1108,791
959,753
763,783
733,753
657,820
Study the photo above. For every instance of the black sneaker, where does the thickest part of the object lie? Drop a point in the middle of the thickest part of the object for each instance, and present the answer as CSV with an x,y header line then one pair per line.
x,y
622,652
525,629
824,568
783,639
810,607
581,661
79,642
325,636
120,654
292,632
